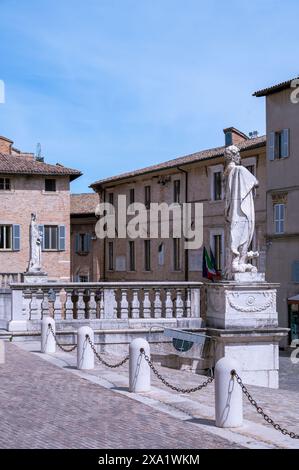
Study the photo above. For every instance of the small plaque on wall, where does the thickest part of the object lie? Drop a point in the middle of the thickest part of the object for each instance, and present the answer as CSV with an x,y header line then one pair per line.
x,y
120,263
195,260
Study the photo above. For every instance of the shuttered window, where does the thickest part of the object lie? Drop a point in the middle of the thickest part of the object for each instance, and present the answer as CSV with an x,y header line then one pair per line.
x,y
83,242
279,144
279,218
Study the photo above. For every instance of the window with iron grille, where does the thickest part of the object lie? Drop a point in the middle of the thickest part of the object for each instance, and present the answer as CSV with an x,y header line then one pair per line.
x,y
176,254
5,237
50,185
147,196
177,191
110,256
5,184
147,255
132,256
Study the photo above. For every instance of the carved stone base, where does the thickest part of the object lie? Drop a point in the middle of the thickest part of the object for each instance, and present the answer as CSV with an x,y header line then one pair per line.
x,y
242,316
35,277
249,277
257,352
235,304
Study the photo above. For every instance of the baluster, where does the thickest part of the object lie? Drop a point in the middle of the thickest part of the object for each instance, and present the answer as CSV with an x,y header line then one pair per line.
x,y
188,303
69,305
135,305
45,305
102,304
57,306
168,305
115,305
80,305
195,303
146,304
39,301
157,304
124,305
179,304
26,303
33,307
92,305
5,281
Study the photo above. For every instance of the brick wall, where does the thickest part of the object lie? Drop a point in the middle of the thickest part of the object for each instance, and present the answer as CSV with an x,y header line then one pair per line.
x,y
27,195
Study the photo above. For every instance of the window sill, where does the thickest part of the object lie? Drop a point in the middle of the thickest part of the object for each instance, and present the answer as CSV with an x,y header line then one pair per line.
x,y
82,253
50,193
217,201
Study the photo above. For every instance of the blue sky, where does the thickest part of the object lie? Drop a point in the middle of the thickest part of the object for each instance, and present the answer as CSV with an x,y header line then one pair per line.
x,y
107,86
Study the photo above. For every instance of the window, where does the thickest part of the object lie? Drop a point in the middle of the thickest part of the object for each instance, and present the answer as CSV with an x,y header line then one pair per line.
x,y
147,196
83,278
110,256
50,185
132,196
279,218
50,237
176,254
147,255
5,237
83,241
217,251
161,254
111,202
132,256
5,184
278,144
177,191
217,196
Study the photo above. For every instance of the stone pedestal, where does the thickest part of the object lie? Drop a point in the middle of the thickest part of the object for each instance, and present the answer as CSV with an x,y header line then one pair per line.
x,y
242,315
35,277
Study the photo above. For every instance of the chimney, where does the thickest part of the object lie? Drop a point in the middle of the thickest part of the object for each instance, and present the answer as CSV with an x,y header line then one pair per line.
x,y
233,136
5,145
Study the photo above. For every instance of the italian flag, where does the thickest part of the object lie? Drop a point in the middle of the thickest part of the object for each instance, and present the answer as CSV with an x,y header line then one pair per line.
x,y
208,267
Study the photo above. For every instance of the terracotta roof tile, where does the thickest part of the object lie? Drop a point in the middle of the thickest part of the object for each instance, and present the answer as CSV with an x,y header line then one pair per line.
x,y
198,156
23,164
274,89
84,203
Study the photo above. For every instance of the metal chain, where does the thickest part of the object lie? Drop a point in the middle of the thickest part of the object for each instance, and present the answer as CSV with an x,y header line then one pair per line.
x,y
72,348
260,410
112,366
173,387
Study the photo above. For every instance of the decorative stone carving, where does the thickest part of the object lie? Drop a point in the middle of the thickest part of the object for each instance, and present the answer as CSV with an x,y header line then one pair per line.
x,y
250,302
35,263
239,213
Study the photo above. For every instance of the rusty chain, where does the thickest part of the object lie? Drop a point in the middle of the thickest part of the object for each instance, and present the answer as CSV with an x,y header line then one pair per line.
x,y
260,410
173,387
112,366
61,346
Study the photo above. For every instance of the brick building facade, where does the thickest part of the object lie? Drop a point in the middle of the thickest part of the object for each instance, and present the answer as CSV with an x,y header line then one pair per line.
x,y
28,185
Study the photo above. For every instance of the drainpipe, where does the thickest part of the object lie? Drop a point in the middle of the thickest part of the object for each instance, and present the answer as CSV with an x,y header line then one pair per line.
x,y
186,257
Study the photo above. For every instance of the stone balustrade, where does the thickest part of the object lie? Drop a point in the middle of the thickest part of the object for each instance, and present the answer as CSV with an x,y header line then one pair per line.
x,y
9,278
106,301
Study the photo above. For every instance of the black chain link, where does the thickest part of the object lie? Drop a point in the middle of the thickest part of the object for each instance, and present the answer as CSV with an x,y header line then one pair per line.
x,y
112,366
173,387
260,410
61,346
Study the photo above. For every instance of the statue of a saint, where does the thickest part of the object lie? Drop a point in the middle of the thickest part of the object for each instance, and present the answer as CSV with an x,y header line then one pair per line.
x,y
35,246
239,213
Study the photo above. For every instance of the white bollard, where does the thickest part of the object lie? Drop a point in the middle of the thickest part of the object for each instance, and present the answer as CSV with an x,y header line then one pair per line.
x,y
48,344
228,395
85,355
139,370
2,352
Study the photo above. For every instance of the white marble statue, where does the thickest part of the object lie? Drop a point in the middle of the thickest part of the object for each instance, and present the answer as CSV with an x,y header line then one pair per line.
x,y
35,246
239,213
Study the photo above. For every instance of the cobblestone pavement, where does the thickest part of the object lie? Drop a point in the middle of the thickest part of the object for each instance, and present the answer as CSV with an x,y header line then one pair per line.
x,y
282,405
44,406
